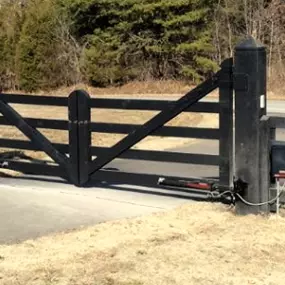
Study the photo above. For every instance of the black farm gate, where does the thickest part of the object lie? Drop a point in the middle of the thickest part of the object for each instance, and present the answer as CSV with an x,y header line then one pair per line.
x,y
249,145
79,162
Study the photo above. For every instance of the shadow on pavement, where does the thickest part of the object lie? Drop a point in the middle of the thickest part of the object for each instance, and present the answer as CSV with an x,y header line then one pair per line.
x,y
141,189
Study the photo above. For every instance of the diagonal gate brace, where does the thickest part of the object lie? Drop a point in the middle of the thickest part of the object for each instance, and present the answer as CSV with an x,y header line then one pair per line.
x,y
33,134
156,122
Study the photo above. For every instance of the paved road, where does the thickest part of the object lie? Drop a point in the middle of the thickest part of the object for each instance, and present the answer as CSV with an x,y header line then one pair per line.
x,y
180,170
31,209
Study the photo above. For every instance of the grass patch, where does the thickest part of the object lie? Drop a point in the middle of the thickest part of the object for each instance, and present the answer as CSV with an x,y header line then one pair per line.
x,y
194,244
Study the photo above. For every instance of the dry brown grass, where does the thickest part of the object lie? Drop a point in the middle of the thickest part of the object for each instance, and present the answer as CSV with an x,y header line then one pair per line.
x,y
195,244
276,90
147,87
138,89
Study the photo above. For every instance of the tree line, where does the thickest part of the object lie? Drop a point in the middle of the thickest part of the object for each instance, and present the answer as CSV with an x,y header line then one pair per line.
x,y
46,44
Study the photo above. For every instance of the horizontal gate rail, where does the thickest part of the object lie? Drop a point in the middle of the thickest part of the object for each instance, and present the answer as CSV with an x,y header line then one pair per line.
x,y
108,103
40,123
155,123
277,122
151,105
35,100
35,168
182,132
27,145
163,156
150,155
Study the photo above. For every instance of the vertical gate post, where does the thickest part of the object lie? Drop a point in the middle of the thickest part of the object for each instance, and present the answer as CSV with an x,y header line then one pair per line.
x,y
250,106
264,154
73,139
79,136
84,135
226,123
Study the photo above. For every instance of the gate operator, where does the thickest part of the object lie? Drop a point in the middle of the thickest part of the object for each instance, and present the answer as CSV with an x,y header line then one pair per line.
x,y
214,191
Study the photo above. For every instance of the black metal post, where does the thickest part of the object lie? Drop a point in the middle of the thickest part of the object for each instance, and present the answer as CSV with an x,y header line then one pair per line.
x,y
264,163
79,136
73,139
250,106
226,123
84,135
273,134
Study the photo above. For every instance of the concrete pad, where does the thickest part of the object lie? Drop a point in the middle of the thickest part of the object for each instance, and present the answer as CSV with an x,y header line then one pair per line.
x,y
30,209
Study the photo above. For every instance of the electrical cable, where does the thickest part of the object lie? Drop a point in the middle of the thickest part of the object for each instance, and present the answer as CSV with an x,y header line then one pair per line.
x,y
218,195
234,195
259,204
226,194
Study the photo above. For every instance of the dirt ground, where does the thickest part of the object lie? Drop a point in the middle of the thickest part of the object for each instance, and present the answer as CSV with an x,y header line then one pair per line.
x,y
163,88
194,244
134,88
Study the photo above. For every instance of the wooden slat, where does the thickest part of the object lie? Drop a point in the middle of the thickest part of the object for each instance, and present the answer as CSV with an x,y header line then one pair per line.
x,y
35,100
108,103
163,156
34,168
182,132
27,145
151,105
40,123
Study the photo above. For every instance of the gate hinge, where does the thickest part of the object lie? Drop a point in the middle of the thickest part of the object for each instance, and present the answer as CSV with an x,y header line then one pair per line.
x,y
240,186
240,82
226,78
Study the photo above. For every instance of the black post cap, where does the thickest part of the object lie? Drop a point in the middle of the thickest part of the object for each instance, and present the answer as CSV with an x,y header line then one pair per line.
x,y
250,44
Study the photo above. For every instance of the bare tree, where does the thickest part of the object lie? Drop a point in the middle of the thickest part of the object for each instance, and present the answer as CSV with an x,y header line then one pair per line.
x,y
69,52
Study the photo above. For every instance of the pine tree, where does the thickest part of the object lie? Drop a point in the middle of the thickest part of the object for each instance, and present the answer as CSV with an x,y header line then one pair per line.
x,y
48,43
10,25
47,54
142,39
36,50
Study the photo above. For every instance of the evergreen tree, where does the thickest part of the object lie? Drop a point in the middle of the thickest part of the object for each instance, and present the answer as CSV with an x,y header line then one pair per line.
x,y
10,25
142,39
36,50
48,43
